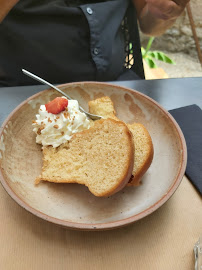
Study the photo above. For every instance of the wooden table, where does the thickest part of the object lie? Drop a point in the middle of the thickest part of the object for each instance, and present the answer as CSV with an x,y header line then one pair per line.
x,y
162,241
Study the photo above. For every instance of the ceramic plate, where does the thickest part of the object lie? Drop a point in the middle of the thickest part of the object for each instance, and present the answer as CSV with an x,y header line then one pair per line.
x,y
72,205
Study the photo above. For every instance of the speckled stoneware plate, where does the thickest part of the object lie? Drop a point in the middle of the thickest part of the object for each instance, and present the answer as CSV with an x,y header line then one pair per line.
x,y
72,205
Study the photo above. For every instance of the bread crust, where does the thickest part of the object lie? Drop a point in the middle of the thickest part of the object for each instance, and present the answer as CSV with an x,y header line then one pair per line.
x,y
129,169
121,181
111,113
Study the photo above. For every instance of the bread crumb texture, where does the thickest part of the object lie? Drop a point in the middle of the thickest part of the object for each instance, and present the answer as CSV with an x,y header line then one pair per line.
x,y
100,158
102,106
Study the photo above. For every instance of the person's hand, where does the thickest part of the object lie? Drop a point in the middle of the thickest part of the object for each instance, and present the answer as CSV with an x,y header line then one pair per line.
x,y
5,7
166,9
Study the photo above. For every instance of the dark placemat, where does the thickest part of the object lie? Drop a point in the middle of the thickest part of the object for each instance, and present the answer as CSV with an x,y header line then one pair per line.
x,y
189,119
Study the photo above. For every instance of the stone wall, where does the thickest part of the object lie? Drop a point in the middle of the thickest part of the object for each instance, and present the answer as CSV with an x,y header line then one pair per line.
x,y
179,38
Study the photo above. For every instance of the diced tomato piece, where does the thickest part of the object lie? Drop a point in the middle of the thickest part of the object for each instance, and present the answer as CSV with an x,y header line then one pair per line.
x,y
57,105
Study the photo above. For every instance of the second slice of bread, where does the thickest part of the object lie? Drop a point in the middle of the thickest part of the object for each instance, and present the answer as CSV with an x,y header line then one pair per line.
x,y
143,154
100,158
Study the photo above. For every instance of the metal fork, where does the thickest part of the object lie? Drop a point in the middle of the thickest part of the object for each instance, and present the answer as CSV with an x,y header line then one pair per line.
x,y
90,115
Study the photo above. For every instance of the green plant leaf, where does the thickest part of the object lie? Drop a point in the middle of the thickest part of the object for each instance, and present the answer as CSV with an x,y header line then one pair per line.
x,y
156,55
161,57
151,39
149,56
150,62
130,48
143,52
168,60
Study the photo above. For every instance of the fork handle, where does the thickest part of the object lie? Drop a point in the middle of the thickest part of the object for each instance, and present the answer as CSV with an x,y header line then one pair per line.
x,y
44,82
35,77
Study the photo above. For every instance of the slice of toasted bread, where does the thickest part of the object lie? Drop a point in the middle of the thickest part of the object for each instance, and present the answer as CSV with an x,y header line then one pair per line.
x,y
142,141
102,106
100,158
143,152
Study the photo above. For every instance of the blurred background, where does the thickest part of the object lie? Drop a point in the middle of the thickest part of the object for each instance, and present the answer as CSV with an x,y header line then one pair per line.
x,y
182,44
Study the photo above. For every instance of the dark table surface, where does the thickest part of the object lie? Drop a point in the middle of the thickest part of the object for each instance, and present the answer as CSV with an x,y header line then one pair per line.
x,y
170,93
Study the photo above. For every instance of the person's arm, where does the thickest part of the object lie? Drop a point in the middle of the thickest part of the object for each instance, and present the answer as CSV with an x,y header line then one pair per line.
x,y
156,16
5,7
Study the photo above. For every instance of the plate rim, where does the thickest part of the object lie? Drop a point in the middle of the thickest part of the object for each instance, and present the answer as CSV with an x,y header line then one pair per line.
x,y
111,224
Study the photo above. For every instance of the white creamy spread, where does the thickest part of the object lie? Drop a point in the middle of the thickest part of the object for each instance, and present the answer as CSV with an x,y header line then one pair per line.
x,y
55,129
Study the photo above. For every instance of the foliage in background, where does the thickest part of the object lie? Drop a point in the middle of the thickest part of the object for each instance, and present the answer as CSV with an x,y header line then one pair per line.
x,y
151,56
